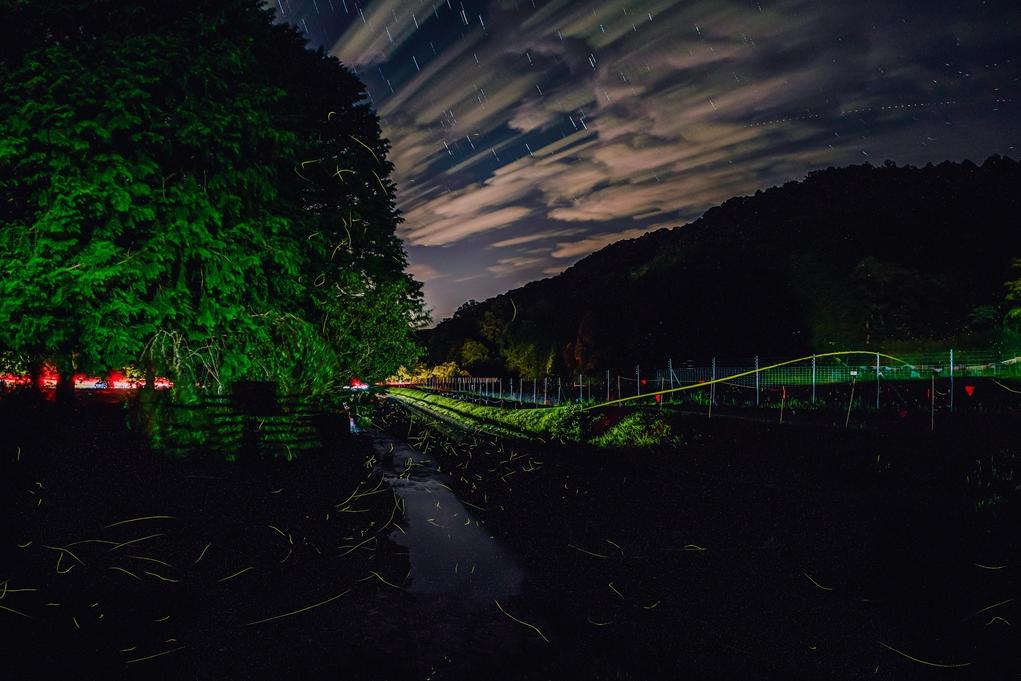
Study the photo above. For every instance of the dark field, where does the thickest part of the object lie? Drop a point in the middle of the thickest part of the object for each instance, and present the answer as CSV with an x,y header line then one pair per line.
x,y
752,551
760,551
181,598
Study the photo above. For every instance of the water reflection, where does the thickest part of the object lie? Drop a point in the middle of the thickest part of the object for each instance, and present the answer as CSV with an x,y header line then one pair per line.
x,y
454,559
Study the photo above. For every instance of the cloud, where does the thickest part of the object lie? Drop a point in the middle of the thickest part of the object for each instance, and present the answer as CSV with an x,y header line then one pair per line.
x,y
424,273
591,244
455,228
505,266
535,236
651,111
380,31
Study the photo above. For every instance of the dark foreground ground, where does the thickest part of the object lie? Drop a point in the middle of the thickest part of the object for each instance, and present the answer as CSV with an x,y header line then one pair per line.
x,y
751,551
116,562
758,551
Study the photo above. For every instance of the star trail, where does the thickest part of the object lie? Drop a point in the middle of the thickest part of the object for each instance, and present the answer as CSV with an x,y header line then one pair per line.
x,y
527,134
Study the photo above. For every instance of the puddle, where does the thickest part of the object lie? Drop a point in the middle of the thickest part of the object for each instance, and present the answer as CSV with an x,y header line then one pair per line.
x,y
452,553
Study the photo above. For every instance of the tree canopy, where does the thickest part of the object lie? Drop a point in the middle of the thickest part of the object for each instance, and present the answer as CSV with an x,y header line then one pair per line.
x,y
186,186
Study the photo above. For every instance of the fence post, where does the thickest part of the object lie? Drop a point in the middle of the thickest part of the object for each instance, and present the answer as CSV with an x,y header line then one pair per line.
x,y
756,380
877,381
813,379
607,385
619,396
535,385
670,369
638,378
558,390
544,381
712,386
581,388
951,379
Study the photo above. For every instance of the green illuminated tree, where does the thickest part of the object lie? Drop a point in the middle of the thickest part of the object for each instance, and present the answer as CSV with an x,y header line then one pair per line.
x,y
185,186
473,353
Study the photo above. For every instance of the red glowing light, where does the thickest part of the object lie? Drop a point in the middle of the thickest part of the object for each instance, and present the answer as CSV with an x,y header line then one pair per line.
x,y
115,380
970,389
659,398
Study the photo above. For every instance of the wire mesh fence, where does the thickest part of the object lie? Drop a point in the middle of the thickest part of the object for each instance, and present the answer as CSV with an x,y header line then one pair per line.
x,y
879,379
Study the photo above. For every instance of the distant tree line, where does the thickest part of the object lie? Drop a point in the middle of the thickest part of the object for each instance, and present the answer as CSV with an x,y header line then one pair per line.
x,y
185,187
857,257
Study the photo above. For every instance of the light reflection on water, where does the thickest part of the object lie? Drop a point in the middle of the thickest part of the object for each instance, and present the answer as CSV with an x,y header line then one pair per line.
x,y
455,563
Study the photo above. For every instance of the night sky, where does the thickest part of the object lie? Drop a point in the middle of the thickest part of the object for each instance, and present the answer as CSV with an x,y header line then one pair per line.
x,y
527,134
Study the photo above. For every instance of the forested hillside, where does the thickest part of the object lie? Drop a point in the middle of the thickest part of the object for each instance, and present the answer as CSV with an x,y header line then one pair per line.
x,y
862,257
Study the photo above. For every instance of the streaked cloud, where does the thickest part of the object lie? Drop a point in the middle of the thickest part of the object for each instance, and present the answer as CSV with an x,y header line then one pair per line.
x,y
536,236
507,266
527,135
424,273
576,249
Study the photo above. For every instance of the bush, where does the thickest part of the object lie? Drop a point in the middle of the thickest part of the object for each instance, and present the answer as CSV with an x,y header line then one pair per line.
x,y
639,429
567,423
564,423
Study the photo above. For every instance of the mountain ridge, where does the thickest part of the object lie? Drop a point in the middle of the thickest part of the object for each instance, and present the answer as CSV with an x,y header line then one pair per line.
x,y
862,255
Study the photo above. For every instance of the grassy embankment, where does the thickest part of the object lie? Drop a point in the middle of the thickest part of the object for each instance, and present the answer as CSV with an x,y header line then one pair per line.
x,y
567,423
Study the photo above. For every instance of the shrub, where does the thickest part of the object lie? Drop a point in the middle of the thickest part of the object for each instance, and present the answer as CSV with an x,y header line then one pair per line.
x,y
639,429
